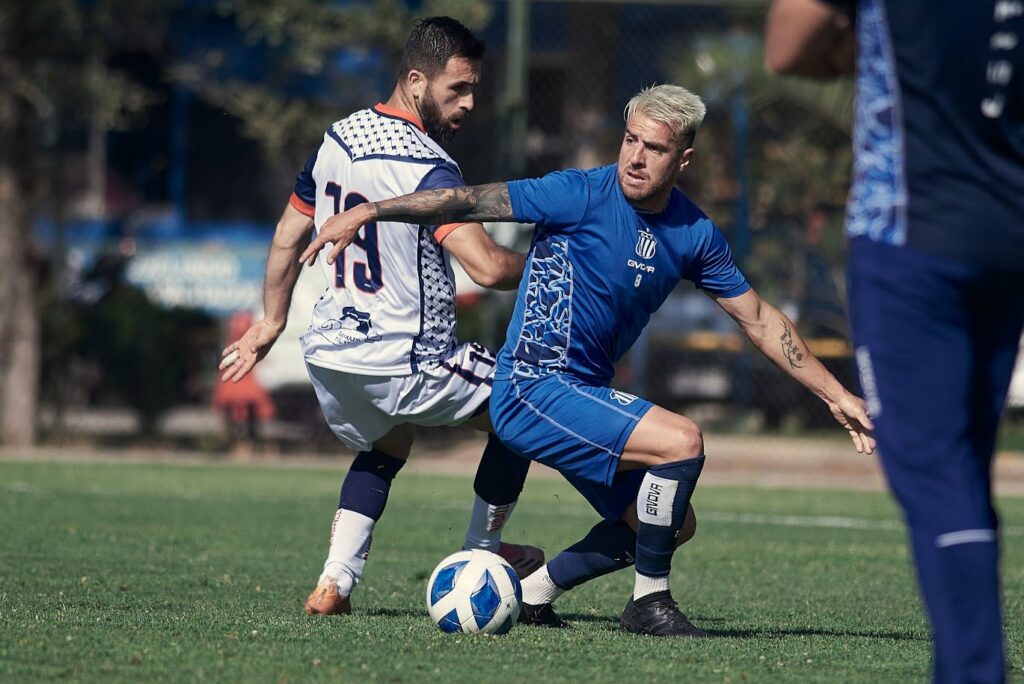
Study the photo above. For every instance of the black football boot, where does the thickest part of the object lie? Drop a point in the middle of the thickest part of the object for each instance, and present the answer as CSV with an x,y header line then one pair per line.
x,y
658,615
542,615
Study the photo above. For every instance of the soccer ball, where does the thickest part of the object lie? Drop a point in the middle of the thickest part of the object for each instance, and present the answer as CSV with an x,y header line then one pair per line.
x,y
475,592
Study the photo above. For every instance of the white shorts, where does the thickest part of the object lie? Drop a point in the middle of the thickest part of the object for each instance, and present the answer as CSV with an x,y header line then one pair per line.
x,y
363,408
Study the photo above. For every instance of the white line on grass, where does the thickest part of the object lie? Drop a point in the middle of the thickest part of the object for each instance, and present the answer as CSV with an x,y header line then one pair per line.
x,y
833,522
566,509
827,521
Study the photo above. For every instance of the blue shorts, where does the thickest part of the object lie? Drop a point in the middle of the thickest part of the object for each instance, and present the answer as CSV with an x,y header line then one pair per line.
x,y
576,428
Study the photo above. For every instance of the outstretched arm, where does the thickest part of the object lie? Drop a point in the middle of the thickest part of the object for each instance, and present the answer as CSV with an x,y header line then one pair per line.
x,y
776,337
282,271
475,203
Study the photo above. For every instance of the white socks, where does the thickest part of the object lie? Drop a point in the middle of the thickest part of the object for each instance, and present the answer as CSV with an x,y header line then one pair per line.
x,y
351,533
648,585
485,525
539,588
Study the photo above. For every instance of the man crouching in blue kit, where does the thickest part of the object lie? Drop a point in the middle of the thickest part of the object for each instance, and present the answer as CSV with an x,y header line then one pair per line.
x,y
610,245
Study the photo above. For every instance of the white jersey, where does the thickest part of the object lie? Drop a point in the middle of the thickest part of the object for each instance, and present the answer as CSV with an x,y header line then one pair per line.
x,y
389,308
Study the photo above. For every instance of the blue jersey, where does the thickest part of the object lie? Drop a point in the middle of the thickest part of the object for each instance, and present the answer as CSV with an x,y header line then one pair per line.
x,y
939,128
598,269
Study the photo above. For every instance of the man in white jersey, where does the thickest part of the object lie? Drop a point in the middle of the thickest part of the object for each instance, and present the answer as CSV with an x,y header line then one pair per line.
x,y
381,349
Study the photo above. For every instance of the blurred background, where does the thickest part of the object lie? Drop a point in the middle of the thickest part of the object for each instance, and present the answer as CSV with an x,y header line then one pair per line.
x,y
147,148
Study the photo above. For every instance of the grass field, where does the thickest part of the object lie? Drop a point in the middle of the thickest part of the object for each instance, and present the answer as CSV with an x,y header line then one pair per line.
x,y
129,572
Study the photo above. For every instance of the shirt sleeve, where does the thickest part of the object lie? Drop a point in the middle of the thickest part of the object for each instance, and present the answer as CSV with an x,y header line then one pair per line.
x,y
442,176
304,196
714,269
555,201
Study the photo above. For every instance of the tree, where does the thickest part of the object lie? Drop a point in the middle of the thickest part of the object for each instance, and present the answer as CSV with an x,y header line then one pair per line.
x,y
799,150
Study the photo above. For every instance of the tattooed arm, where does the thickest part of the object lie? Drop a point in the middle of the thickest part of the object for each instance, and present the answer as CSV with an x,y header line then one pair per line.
x,y
776,337
475,203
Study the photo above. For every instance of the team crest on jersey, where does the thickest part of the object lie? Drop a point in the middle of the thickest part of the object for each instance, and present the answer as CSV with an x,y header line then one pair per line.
x,y
646,244
622,397
353,326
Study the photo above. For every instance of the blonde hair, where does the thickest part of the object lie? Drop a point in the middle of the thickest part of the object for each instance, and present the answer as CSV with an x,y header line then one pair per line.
x,y
672,105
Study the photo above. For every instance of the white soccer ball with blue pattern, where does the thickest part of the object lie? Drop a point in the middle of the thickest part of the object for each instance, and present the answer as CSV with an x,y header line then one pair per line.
x,y
475,592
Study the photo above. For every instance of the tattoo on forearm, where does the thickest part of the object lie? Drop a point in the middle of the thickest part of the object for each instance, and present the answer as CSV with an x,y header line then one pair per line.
x,y
475,203
789,348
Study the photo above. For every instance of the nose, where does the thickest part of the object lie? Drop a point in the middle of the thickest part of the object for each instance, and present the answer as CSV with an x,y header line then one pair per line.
x,y
637,157
467,103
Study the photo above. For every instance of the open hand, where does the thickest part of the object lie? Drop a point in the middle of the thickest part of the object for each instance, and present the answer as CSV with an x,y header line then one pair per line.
x,y
340,230
240,356
851,413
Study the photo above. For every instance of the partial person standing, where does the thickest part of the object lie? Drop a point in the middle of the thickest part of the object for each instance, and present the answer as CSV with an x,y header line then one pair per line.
x,y
381,349
935,222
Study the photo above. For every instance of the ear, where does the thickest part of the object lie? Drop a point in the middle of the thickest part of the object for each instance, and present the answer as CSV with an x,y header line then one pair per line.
x,y
684,160
417,82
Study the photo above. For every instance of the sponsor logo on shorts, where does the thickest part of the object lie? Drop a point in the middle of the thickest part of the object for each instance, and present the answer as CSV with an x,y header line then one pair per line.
x,y
622,397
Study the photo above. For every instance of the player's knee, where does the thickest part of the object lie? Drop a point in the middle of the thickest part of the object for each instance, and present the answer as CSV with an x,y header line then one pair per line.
x,y
687,441
397,443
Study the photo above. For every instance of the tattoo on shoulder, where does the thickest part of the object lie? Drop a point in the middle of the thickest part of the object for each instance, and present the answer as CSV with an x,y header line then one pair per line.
x,y
789,348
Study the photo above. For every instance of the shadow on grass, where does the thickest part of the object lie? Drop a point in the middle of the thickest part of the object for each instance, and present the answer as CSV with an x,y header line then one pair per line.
x,y
707,623
393,612
786,633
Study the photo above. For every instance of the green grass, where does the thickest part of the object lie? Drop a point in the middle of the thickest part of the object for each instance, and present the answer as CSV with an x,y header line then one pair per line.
x,y
129,572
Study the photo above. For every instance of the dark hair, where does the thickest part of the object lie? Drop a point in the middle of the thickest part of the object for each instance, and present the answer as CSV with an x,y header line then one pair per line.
x,y
434,41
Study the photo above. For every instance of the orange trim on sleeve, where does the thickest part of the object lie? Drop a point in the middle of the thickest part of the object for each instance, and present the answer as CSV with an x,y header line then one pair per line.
x,y
301,205
388,110
443,231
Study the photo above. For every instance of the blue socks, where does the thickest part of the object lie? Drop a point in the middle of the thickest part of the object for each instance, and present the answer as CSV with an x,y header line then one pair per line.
x,y
368,483
661,507
608,547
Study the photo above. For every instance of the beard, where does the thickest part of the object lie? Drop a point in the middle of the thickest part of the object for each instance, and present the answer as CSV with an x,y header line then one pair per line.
x,y
652,188
436,125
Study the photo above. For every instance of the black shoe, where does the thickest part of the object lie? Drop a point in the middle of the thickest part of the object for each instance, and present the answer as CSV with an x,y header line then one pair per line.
x,y
658,615
542,615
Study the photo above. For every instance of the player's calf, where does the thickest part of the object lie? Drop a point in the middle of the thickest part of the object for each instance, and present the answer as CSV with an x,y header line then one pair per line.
x,y
499,481
361,503
662,504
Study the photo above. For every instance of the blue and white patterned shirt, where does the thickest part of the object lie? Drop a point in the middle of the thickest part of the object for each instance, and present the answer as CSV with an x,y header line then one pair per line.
x,y
598,269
